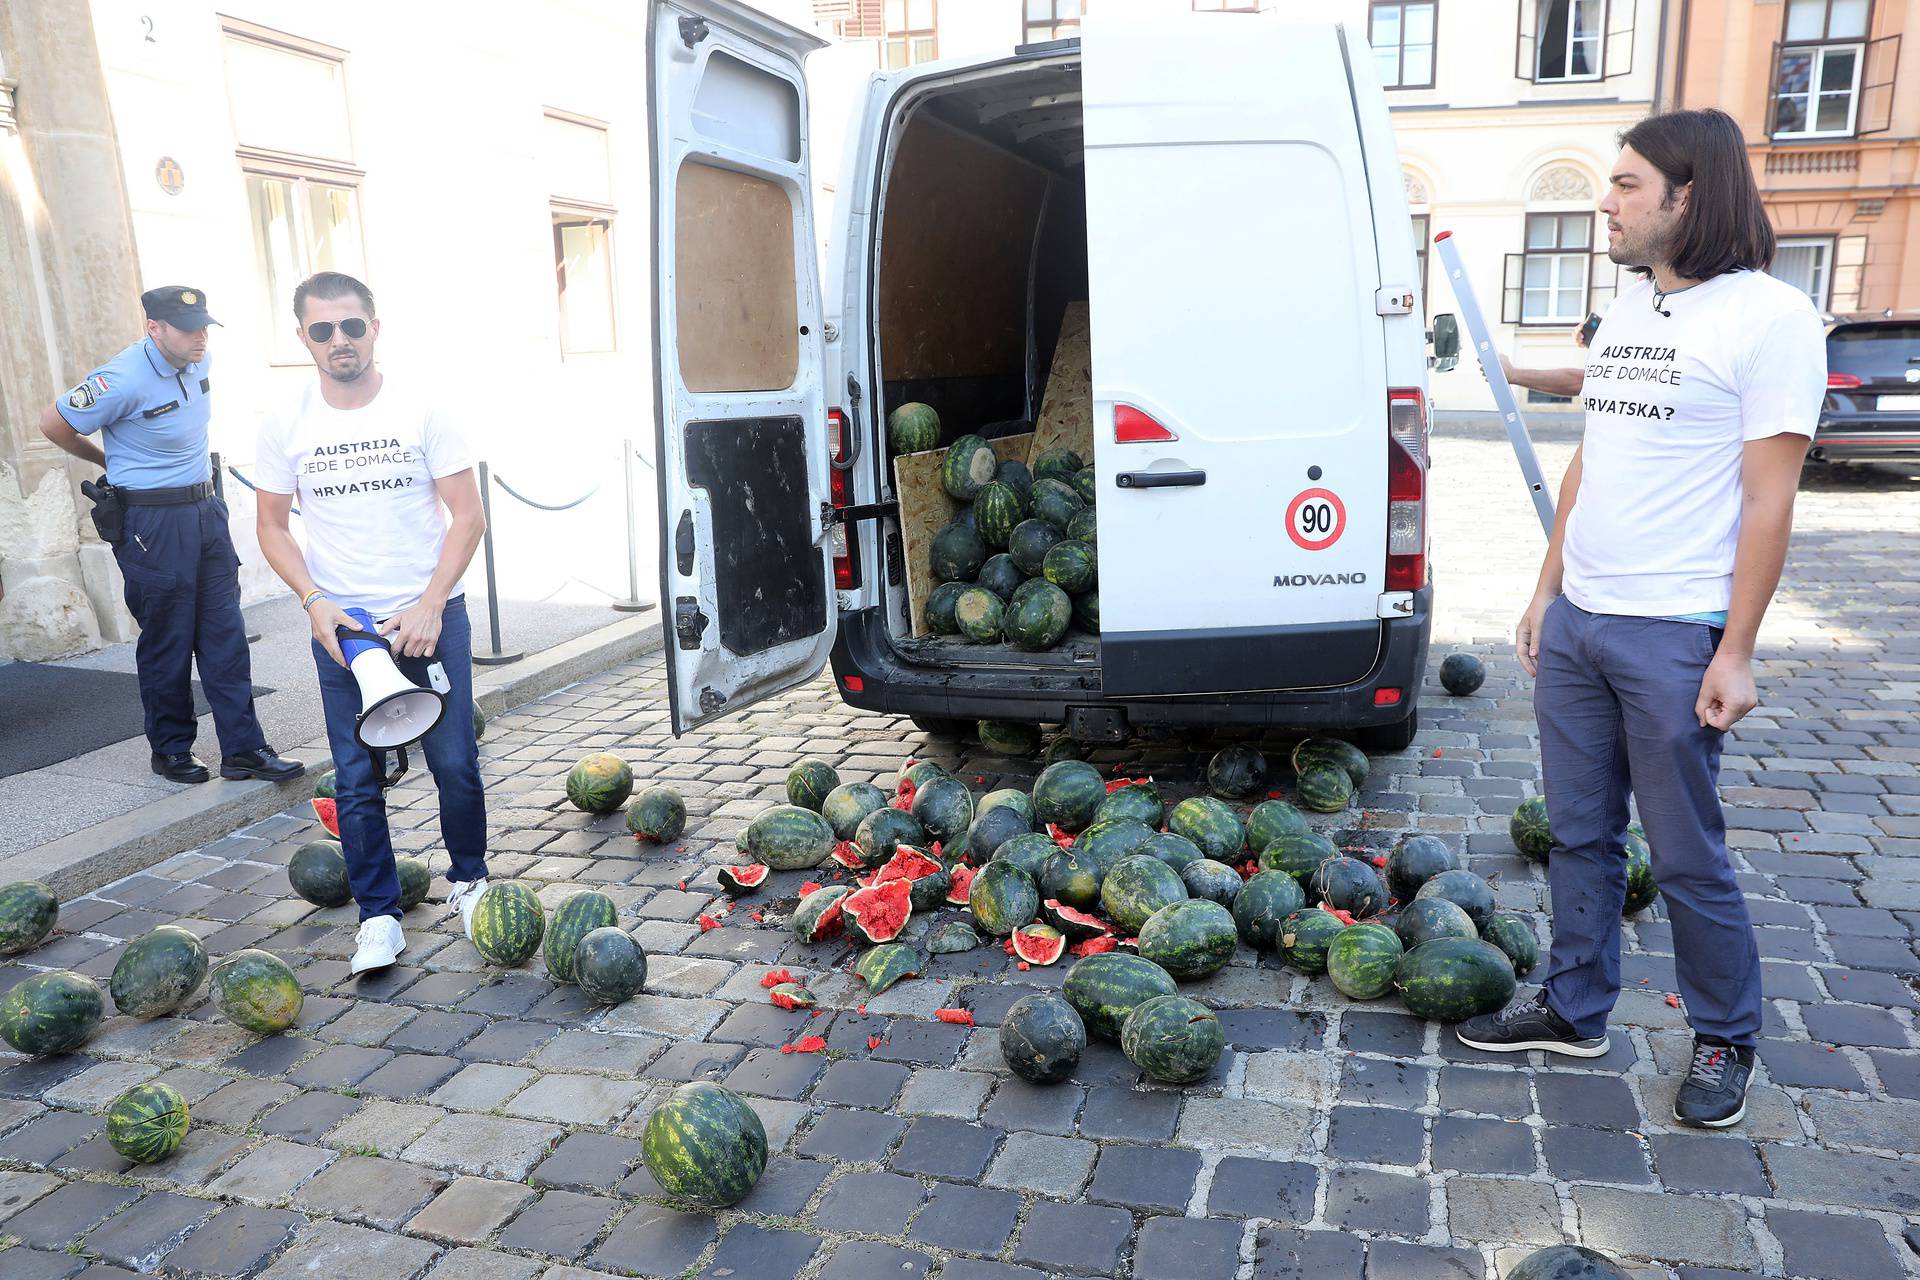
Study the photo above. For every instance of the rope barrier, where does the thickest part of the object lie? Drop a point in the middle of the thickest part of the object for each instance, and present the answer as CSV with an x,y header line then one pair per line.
x,y
542,506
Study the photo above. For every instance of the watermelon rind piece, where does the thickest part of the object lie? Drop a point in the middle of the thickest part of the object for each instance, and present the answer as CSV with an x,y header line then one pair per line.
x,y
1462,674
508,923
1214,881
1324,788
256,991
1003,898
1425,919
882,966
959,884
1173,1039
927,880
1529,829
738,882
28,912
1214,828
1138,886
1361,960
789,838
1416,859
317,871
610,965
1272,819
817,917
51,1012
573,920
944,809
1067,794
146,1123
1510,932
951,938
969,465
157,972
704,1146
1267,898
599,783
810,782
657,814
1191,939
1465,890
1304,938
1135,802
1076,924
326,811
1040,944
848,804
1042,1038
1104,989
1237,772
913,428
1452,979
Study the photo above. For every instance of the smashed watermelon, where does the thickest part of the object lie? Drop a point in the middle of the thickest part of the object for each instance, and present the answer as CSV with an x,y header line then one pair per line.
x,y
327,809
879,912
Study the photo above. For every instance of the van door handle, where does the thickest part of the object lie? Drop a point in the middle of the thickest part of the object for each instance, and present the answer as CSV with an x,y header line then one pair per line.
x,y
1159,479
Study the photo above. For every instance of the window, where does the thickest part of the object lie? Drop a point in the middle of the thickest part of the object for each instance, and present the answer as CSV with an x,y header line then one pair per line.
x,y
1555,267
1817,79
911,33
1422,241
1401,33
573,157
1051,20
1569,44
1806,263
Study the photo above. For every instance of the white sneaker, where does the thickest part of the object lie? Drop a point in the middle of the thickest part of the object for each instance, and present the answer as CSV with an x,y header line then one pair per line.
x,y
379,944
464,898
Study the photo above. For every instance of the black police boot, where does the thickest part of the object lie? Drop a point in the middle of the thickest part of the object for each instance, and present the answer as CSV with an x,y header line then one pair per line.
x,y
180,766
262,764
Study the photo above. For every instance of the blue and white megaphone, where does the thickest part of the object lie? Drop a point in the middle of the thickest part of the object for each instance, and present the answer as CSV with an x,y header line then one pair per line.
x,y
394,711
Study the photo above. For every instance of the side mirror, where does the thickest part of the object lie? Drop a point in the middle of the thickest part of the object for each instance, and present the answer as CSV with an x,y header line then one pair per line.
x,y
1446,336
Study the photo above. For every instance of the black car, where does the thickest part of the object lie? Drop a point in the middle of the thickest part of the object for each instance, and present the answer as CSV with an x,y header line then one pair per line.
x,y
1872,410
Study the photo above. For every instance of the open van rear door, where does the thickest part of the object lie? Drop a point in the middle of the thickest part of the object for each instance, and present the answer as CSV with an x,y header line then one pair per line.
x,y
738,361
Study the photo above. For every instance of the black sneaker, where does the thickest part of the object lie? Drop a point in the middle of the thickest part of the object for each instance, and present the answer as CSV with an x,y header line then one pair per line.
x,y
1714,1094
1528,1025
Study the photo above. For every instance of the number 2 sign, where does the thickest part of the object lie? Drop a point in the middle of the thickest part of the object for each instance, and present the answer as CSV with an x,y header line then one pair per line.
x,y
1316,519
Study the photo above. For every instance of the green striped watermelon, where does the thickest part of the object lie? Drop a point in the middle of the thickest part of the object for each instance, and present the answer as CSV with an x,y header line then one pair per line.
x,y
980,615
1237,772
1068,794
944,808
157,972
890,962
913,428
257,992
1009,737
1465,890
508,923
1084,527
883,831
1056,502
810,782
1266,899
1042,1038
1214,828
51,1012
956,553
920,772
1361,961
1529,829
318,872
1299,856
323,786
1037,616
1214,881
1104,844
704,1146
996,510
940,605
147,1122
1324,788
1056,463
848,804
1137,887
599,783
1086,483
1414,861
968,467
1642,890
1177,852
1070,566
1031,541
1429,918
1350,758
573,920
1103,989
1452,979
1003,898
416,878
1272,819
1514,936
789,838
1173,1039
1135,802
1304,938
1190,939
1001,576
657,814
609,964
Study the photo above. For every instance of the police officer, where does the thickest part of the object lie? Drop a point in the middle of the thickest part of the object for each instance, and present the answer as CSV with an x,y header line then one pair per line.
x,y
169,532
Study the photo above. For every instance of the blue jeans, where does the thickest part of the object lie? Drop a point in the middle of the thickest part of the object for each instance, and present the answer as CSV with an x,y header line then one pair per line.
x,y
453,757
1614,700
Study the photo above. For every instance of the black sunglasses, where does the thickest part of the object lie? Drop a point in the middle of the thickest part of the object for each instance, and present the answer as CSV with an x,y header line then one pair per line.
x,y
322,330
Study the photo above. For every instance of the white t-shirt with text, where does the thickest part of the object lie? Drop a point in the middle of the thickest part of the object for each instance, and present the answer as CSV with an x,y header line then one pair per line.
x,y
1670,401
363,481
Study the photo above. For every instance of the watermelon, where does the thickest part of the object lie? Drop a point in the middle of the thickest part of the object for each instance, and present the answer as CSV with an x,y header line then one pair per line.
x,y
599,783
913,428
810,782
1029,544
882,966
1009,737
1039,944
1136,888
258,992
1461,674
941,602
1135,802
1103,989
147,1122
323,786
1262,903
27,914
704,1146
1425,919
1001,576
1104,844
1272,819
848,804
1084,527
1076,925
1214,828
1068,794
416,878
1361,960
1086,483
1190,939
1061,748
1452,979
1073,878
1009,797
944,809
657,814
1086,612
1003,898
817,917
1056,463
1042,1038
157,972
1037,616
1177,852
1529,829
738,882
1014,472
508,923
1029,851
1350,885
956,553
1304,938
1214,881
1056,502
1237,772
50,1012
789,838
1298,856
1465,890
1324,788
1514,936
573,920
994,827
980,615
1173,1039
1642,891
952,938
1566,1262
969,466
1070,566
996,510
326,811
1414,861
927,880
1352,759
318,872
479,723
877,913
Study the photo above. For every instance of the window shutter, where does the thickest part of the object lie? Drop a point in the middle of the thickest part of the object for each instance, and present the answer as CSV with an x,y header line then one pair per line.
x,y
1526,27
1773,93
1876,85
1619,43
1510,293
1849,265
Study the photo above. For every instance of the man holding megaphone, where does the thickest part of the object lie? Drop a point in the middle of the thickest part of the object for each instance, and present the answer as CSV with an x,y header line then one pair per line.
x,y
392,515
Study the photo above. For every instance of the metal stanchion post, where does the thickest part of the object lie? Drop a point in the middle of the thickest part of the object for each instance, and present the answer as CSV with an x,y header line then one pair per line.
x,y
220,492
633,603
495,658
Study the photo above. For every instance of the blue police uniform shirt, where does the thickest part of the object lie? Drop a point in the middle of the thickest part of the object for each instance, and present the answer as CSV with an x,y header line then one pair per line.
x,y
153,418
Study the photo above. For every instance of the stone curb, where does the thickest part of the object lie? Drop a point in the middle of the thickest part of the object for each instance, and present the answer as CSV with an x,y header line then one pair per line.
x,y
77,863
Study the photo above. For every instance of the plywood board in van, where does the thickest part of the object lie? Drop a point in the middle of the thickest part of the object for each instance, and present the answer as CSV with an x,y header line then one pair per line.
x,y
1066,410
925,509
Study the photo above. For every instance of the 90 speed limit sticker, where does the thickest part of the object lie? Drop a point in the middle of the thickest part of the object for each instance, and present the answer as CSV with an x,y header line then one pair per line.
x,y
1316,519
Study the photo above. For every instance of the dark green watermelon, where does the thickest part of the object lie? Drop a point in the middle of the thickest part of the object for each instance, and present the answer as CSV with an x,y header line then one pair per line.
x,y
941,602
323,787
883,831
1214,881
416,879
318,872
28,910
1068,794
1056,502
913,428
1003,898
968,467
147,1123
1042,1038
51,1012
1104,989
980,615
1084,527
1190,939
1037,616
1642,891
944,808
1414,861
995,827
573,920
1304,938
1031,541
1465,890
1086,612
1529,829
1029,851
1298,856
1461,674
1070,566
704,1146
1173,1039
1214,828
1361,961
1425,919
1104,844
1056,463
1352,886
1567,1262
789,838
1135,802
848,804
1001,576
1272,819
1073,879
1451,979
998,508
1237,772
657,814
157,972
1135,888
956,554
1514,936
257,991
1177,852
810,782
1262,903
1014,472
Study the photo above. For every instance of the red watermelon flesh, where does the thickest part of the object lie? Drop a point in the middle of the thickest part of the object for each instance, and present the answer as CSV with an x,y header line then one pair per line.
x,y
907,863
847,854
962,885
879,913
739,881
1077,925
1039,944
327,810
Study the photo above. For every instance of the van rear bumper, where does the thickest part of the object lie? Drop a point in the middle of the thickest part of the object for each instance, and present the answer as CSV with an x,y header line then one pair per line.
x,y
872,677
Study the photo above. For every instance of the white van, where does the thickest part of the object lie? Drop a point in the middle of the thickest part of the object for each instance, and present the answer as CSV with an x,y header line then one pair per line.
x,y
1224,194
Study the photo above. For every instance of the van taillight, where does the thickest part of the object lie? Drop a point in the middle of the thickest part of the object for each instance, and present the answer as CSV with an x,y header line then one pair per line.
x,y
1841,382
1407,459
846,543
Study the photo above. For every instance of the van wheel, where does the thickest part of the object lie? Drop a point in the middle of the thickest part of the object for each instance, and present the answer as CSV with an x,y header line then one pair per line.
x,y
939,726
1389,737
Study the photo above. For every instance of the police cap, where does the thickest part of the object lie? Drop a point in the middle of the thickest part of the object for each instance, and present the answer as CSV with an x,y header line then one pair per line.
x,y
177,305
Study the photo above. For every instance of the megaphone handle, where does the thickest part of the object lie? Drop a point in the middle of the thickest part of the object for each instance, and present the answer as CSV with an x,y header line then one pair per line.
x,y
380,766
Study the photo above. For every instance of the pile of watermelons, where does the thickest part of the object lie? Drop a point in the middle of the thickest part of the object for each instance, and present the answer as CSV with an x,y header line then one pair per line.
x,y
1018,564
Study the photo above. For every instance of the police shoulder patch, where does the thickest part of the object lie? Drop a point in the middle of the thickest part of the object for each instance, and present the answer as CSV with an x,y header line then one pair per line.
x,y
81,397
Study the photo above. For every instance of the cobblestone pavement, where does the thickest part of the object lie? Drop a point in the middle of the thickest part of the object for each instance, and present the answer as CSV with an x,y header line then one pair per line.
x,y
449,1120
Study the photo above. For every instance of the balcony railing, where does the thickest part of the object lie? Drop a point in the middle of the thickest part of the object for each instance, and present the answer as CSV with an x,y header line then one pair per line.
x,y
1825,161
